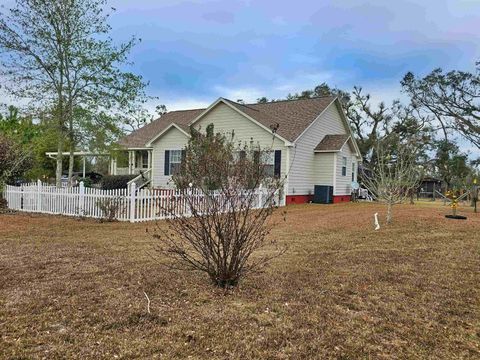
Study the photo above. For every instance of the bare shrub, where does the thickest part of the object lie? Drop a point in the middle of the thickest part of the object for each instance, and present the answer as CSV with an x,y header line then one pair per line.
x,y
3,204
229,193
111,208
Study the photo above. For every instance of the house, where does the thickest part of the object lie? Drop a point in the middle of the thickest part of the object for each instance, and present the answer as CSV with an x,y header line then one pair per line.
x,y
313,143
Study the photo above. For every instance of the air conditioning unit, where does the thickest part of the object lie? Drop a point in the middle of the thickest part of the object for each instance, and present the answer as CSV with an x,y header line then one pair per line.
x,y
323,194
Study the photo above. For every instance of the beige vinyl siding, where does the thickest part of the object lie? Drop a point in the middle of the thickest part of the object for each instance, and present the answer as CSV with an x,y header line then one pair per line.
x,y
343,183
227,120
305,173
324,167
173,139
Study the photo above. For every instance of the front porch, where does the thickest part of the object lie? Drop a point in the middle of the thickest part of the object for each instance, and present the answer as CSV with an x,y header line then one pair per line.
x,y
131,162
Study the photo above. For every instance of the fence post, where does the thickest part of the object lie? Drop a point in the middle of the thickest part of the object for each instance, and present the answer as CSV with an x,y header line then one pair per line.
x,y
260,205
39,195
81,199
132,202
21,197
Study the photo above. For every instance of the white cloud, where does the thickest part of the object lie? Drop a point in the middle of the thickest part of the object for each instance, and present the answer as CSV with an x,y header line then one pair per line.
x,y
247,94
178,103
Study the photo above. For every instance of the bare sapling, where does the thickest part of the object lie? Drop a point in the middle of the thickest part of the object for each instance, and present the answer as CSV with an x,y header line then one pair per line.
x,y
395,174
228,192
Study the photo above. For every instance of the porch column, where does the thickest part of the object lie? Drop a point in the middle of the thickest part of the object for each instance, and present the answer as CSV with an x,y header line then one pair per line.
x,y
83,169
113,164
131,162
149,154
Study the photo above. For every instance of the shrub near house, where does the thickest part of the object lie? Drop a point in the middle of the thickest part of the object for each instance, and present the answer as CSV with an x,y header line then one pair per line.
x,y
112,182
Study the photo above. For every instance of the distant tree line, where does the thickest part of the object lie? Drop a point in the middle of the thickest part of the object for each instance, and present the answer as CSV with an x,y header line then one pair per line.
x,y
441,106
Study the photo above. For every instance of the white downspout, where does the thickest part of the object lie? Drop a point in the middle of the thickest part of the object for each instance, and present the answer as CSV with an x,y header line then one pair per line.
x,y
287,175
334,173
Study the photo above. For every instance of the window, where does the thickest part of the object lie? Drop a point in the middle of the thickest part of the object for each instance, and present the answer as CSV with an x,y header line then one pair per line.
x,y
175,161
141,159
344,166
353,171
268,162
145,164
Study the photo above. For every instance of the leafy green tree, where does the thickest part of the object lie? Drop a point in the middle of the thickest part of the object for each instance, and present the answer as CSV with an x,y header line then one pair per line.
x,y
20,128
59,54
14,161
321,90
36,135
451,165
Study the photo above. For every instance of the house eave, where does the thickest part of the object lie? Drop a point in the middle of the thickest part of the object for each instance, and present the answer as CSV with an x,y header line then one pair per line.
x,y
159,135
224,101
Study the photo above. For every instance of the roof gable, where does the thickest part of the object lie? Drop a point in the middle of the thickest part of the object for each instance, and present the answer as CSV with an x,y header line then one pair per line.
x,y
292,117
165,130
141,137
332,143
256,117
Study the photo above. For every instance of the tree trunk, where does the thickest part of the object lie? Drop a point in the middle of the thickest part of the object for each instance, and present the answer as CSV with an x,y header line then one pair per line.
x,y
60,124
71,138
71,161
58,174
389,212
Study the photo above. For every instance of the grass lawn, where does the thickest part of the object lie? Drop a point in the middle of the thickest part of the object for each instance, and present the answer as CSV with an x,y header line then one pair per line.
x,y
75,289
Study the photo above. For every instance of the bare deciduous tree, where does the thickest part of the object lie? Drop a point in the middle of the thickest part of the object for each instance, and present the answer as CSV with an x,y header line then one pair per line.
x,y
395,174
229,219
452,97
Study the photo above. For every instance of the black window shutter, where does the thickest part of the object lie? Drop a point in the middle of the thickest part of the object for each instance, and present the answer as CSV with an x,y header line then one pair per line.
x,y
167,163
278,163
256,157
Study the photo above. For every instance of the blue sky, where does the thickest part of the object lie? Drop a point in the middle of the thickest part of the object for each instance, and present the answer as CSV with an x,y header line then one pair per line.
x,y
194,51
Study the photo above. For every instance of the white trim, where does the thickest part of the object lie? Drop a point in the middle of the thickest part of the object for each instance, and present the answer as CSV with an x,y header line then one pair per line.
x,y
314,121
327,151
287,172
77,153
134,148
334,173
152,159
226,102
150,143
349,129
332,151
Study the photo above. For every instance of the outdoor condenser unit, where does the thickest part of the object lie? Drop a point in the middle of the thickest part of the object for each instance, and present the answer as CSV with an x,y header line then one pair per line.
x,y
323,194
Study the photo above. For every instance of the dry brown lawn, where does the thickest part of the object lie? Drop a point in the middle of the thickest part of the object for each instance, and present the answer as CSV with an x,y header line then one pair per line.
x,y
74,289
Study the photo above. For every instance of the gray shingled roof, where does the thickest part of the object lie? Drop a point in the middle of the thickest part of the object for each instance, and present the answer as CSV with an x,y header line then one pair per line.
x,y
292,116
140,137
332,142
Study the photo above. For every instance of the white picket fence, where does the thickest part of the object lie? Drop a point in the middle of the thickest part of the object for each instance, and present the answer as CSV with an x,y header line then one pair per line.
x,y
132,204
